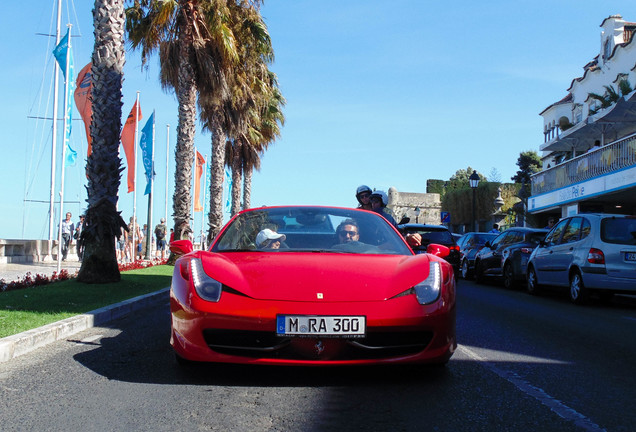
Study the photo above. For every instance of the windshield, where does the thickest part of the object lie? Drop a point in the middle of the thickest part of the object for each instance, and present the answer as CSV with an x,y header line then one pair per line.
x,y
310,229
536,237
441,236
481,239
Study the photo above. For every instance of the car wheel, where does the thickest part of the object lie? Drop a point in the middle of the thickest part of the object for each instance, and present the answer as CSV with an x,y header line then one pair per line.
x,y
465,270
479,272
578,293
533,284
509,277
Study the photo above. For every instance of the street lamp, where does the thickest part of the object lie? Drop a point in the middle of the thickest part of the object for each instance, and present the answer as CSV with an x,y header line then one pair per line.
x,y
417,214
474,182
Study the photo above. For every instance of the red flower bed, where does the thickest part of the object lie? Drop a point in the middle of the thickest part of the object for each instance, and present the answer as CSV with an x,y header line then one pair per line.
x,y
39,279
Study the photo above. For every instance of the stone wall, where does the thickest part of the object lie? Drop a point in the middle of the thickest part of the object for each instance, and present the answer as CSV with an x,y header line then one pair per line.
x,y
404,204
28,251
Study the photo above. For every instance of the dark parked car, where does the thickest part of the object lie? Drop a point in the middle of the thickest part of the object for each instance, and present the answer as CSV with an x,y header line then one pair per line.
x,y
469,244
587,253
434,234
506,257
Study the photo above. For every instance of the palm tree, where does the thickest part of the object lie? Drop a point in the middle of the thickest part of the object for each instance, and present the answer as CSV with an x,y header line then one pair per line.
x,y
263,133
103,222
250,95
194,44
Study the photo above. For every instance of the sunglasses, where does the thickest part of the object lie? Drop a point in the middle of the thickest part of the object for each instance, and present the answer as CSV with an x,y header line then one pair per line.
x,y
350,233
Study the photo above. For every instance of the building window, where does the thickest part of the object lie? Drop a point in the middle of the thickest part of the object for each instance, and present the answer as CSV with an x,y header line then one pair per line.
x,y
607,49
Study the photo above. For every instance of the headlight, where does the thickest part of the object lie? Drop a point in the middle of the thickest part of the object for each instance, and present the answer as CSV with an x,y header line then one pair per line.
x,y
428,290
206,287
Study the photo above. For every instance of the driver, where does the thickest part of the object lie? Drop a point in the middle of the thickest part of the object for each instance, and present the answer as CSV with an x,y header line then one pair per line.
x,y
348,231
349,239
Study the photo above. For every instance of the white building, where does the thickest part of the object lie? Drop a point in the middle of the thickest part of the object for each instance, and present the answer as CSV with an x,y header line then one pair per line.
x,y
589,148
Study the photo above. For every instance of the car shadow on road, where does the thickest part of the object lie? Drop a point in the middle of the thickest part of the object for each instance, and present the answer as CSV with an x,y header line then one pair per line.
x,y
141,353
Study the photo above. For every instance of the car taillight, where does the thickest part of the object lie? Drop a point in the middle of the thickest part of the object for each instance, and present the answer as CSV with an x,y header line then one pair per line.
x,y
595,256
526,250
454,248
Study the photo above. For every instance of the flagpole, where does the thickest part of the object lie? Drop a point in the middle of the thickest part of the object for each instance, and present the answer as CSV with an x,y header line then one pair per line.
x,y
66,83
167,160
203,210
54,143
134,243
194,174
152,184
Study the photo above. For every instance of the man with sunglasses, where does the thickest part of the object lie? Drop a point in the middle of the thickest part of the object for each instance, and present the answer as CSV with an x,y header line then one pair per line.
x,y
348,231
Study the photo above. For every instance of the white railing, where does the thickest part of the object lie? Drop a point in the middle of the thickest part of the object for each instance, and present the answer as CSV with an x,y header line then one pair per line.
x,y
604,160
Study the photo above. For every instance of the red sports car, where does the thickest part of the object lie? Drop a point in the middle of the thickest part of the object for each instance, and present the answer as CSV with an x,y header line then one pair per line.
x,y
312,286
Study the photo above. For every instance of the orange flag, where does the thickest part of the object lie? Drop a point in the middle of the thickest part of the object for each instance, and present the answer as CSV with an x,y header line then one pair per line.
x,y
198,170
128,142
83,102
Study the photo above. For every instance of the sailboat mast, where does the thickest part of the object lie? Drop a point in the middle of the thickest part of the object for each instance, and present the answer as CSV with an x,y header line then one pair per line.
x,y
54,143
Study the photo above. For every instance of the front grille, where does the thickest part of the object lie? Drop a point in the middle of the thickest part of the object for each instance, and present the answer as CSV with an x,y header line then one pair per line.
x,y
261,344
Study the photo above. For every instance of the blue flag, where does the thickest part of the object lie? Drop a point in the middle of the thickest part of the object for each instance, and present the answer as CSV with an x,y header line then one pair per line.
x,y
145,142
228,182
63,54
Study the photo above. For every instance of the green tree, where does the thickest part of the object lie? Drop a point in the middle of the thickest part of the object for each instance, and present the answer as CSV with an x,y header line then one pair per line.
x,y
103,222
459,180
529,163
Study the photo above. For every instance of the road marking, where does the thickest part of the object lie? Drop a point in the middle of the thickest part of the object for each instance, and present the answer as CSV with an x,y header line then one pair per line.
x,y
539,394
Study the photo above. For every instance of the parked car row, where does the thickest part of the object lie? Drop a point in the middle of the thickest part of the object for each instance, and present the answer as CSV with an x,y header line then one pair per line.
x,y
590,254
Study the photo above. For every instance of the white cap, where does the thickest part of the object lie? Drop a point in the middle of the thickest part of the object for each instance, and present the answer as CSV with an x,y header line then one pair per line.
x,y
163,220
266,235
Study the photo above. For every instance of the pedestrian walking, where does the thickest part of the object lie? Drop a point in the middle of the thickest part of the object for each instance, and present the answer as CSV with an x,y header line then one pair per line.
x,y
68,228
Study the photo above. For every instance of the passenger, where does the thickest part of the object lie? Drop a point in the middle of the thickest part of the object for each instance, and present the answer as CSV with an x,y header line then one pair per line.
x,y
379,201
268,239
363,195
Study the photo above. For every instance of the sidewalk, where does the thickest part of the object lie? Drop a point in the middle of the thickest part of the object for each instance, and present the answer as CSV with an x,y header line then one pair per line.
x,y
30,340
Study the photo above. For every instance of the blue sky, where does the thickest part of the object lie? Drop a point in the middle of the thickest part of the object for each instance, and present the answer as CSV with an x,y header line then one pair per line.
x,y
383,93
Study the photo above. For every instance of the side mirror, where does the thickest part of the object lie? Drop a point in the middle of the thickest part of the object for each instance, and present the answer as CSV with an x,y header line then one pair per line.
x,y
181,247
438,250
488,245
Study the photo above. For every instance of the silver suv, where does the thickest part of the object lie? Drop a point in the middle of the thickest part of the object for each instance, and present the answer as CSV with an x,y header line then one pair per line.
x,y
587,253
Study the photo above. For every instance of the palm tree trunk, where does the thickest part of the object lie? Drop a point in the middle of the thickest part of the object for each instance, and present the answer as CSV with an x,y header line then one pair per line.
x,y
103,222
247,188
184,151
236,176
215,217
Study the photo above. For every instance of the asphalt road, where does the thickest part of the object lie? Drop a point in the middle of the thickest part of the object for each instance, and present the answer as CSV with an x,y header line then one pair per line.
x,y
524,363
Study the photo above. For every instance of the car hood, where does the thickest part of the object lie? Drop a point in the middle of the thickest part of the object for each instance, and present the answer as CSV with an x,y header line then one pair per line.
x,y
294,276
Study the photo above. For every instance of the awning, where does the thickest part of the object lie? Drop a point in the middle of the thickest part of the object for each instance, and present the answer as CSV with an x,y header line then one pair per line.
x,y
611,124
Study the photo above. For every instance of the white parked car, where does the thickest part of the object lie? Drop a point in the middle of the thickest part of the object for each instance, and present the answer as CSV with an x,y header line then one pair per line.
x,y
589,253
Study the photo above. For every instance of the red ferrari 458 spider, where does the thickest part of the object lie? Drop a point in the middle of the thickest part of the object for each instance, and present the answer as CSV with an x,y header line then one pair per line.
x,y
312,286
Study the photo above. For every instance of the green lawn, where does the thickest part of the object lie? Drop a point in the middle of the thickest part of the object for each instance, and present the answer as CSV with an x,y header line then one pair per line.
x,y
28,308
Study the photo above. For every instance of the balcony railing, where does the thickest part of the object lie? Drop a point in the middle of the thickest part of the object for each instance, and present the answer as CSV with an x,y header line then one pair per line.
x,y
604,160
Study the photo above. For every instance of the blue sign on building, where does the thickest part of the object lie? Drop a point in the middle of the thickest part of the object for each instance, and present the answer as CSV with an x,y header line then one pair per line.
x,y
445,217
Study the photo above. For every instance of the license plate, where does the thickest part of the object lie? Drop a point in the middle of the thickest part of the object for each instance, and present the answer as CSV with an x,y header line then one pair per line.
x,y
312,325
630,256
